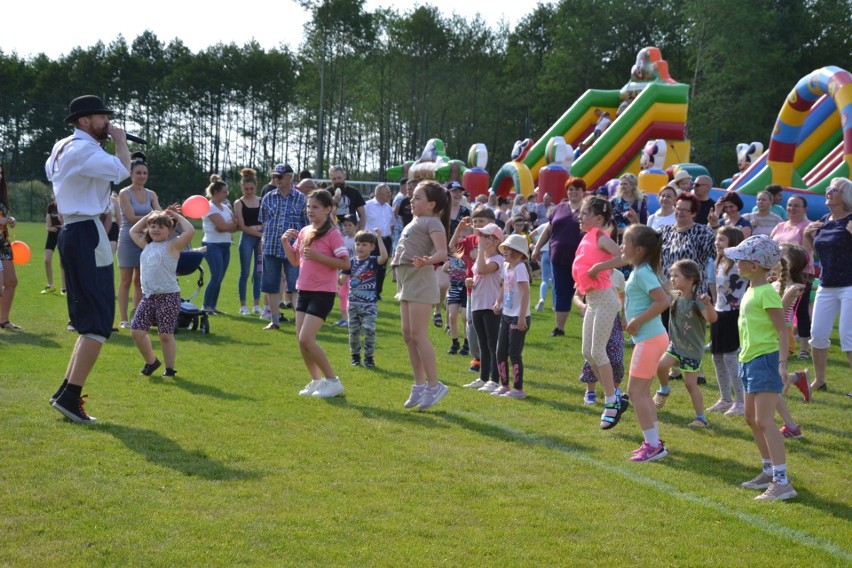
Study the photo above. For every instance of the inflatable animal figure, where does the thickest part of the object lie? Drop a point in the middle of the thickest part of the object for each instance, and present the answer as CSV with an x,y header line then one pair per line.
x,y
521,148
433,152
477,157
653,155
747,154
559,153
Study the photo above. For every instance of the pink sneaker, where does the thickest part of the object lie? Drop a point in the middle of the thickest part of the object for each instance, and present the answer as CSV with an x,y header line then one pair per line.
x,y
648,453
802,382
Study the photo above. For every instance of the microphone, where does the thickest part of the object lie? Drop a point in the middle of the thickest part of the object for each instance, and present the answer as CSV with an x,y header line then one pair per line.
x,y
134,138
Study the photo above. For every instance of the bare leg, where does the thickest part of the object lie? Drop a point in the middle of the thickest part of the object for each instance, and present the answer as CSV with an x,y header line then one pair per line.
x,y
48,267
691,382
169,346
820,363
83,359
561,318
137,287
143,343
307,327
10,283
124,282
640,395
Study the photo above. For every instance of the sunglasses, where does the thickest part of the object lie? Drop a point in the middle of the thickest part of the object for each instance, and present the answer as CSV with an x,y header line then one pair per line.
x,y
831,189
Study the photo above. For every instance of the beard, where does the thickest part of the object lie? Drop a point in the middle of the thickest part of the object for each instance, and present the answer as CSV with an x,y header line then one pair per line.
x,y
100,134
339,185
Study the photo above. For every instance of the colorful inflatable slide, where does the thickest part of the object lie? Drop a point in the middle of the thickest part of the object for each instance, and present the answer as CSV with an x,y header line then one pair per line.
x,y
811,142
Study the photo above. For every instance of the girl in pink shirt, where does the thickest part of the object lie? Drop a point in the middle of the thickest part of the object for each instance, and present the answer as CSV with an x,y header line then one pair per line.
x,y
319,252
596,255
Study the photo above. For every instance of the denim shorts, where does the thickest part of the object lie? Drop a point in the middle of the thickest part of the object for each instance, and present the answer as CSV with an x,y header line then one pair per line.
x,y
270,282
761,374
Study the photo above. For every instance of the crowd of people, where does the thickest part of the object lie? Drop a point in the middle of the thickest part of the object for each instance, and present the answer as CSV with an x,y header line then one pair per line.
x,y
661,278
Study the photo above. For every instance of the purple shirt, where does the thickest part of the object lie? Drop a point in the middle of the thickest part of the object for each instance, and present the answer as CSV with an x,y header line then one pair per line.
x,y
565,235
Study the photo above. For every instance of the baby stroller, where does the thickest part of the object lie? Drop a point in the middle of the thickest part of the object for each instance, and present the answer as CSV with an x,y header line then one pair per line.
x,y
190,316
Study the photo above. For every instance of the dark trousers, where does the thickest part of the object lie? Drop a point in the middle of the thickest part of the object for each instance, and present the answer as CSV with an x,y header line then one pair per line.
x,y
510,346
380,273
487,326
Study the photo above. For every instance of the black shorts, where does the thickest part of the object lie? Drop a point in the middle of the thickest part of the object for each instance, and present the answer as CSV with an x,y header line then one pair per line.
x,y
724,334
51,241
112,234
317,304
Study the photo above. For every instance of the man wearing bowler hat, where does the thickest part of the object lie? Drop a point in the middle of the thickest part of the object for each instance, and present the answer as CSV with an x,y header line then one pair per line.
x,y
81,172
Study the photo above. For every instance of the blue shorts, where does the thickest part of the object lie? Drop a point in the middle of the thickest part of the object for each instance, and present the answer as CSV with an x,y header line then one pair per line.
x,y
457,294
271,278
761,374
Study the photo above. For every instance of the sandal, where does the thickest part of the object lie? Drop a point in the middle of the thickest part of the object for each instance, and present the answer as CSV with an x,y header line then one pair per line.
x,y
9,325
610,421
438,320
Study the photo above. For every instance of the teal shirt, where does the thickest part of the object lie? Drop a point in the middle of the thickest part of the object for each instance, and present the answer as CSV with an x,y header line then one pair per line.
x,y
777,209
637,294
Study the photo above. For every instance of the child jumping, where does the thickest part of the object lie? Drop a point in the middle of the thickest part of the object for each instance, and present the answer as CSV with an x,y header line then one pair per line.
x,y
763,361
645,301
160,304
688,319
595,256
319,252
514,305
363,305
423,244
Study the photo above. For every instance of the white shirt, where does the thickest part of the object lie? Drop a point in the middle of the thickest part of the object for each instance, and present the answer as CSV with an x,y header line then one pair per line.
x,y
81,172
379,216
211,233
657,221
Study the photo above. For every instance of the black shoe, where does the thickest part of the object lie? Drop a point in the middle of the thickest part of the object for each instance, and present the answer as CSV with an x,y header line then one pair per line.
x,y
454,348
356,360
170,372
149,368
72,408
465,350
557,332
702,380
378,297
58,393
285,305
369,363
282,319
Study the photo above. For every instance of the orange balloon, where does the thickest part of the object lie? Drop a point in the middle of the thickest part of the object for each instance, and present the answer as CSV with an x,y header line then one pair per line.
x,y
21,253
195,207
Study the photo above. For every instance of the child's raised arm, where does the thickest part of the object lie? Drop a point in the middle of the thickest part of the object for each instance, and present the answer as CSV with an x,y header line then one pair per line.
x,y
383,252
187,232
708,311
137,231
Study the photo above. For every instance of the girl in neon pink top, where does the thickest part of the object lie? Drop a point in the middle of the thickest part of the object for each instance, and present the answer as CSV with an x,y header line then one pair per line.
x,y
319,252
596,255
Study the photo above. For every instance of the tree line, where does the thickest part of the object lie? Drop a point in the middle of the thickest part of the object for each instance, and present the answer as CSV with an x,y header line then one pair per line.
x,y
368,89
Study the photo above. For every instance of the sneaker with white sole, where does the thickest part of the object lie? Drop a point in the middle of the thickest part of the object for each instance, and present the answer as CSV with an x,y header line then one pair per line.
x,y
124,325
329,388
539,306
762,481
310,387
514,393
72,408
244,311
266,315
490,386
432,395
777,492
415,396
500,391
477,384
737,409
721,406
590,398
648,453
257,310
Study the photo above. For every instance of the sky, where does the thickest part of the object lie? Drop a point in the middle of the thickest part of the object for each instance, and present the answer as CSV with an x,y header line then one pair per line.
x,y
55,27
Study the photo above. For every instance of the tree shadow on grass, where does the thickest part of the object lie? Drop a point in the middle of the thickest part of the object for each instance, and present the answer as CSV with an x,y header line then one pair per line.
x,y
163,451
199,388
733,473
12,338
402,416
507,434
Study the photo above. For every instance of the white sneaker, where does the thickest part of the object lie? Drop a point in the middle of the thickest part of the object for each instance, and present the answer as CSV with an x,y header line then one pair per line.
x,y
244,311
266,315
721,406
514,393
257,310
539,306
478,383
500,391
310,387
329,388
432,395
124,325
777,492
737,409
490,386
415,396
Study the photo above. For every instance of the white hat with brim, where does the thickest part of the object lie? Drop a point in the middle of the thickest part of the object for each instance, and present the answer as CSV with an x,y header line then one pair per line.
x,y
516,242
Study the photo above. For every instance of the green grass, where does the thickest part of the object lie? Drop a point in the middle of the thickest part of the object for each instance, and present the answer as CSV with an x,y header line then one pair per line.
x,y
226,465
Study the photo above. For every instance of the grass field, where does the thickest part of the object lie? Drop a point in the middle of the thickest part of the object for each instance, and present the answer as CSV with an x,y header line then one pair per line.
x,y
227,465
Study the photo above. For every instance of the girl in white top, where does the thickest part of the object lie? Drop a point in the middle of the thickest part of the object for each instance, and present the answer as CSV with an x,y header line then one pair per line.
x,y
515,307
422,245
160,303
219,225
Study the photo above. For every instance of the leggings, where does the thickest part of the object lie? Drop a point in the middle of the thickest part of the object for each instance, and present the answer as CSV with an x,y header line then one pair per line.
x,y
727,374
803,313
546,275
487,326
470,331
601,308
510,345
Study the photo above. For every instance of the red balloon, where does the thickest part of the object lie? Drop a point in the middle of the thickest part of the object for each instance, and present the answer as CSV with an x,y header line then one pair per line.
x,y
21,253
195,207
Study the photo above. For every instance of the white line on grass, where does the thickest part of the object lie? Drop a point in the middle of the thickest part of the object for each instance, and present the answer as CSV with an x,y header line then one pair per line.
x,y
753,520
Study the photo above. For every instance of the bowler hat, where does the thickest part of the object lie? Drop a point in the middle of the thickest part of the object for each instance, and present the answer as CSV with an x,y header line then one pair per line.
x,y
85,106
